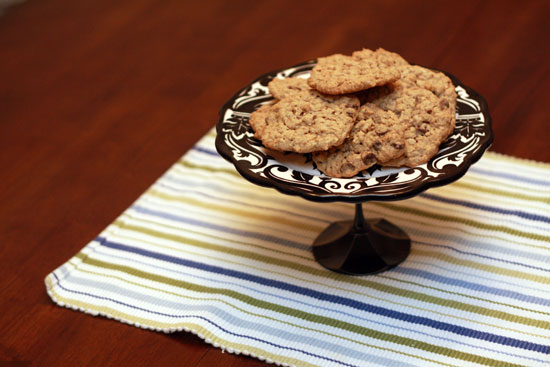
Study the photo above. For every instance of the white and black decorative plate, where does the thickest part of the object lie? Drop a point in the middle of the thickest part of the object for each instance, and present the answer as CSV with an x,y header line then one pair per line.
x,y
296,174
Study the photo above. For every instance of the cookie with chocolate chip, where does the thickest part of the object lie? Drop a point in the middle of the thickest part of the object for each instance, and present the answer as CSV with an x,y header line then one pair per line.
x,y
281,88
305,122
377,137
426,123
434,81
339,74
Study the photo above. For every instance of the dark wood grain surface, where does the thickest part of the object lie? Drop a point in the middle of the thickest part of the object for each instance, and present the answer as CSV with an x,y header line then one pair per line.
x,y
98,98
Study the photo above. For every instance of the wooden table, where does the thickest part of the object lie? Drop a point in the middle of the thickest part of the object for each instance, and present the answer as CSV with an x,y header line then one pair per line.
x,y
98,98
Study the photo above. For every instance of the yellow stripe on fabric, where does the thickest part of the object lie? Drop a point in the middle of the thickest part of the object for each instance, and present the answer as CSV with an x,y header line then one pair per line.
x,y
473,179
384,288
497,192
229,170
250,214
355,341
268,198
469,222
121,223
276,261
488,268
315,318
266,193
477,197
394,213
169,327
481,215
516,160
369,295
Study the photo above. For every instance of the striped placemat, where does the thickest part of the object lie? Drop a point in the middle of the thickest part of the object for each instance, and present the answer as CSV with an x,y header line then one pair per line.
x,y
205,251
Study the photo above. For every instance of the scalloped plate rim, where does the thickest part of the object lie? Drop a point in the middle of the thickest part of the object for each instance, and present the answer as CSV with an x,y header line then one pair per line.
x,y
416,189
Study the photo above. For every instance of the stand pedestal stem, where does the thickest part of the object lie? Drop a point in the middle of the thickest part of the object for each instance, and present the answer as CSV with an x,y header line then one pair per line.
x,y
359,220
361,246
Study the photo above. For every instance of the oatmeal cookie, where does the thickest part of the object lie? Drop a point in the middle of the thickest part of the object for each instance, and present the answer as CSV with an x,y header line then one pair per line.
x,y
377,137
281,88
426,124
305,123
339,74
434,81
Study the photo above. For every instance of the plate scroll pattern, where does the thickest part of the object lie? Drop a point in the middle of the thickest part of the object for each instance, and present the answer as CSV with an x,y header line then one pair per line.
x,y
296,174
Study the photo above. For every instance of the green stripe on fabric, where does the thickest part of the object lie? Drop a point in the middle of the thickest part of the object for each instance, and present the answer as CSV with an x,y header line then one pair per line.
x,y
357,281
266,193
488,268
469,222
493,191
407,221
495,181
170,327
201,244
187,164
517,160
499,201
250,214
141,285
121,223
318,319
361,293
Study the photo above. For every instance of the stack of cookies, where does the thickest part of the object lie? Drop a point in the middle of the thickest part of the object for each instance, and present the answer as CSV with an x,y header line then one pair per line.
x,y
372,107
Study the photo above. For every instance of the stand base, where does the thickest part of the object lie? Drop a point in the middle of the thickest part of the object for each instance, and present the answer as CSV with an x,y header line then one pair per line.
x,y
361,247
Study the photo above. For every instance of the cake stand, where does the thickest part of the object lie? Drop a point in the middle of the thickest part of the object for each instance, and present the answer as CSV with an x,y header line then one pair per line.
x,y
356,246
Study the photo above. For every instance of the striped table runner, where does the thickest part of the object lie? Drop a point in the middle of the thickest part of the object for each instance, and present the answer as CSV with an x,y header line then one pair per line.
x,y
205,251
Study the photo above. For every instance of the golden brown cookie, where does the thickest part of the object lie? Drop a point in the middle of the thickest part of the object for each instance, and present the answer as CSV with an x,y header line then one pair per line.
x,y
340,74
377,137
306,122
434,81
281,88
426,124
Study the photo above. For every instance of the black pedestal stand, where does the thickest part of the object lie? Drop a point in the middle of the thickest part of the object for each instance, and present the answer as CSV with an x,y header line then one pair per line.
x,y
361,246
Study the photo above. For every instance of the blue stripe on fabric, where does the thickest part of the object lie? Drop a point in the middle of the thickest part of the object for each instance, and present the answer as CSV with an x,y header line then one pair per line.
x,y
311,305
293,244
456,329
206,151
401,269
477,276
234,321
204,319
479,287
191,187
487,216
472,286
477,244
217,227
483,256
338,215
493,209
510,176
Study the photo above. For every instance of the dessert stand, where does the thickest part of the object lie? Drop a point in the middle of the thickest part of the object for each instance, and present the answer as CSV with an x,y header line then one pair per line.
x,y
357,246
